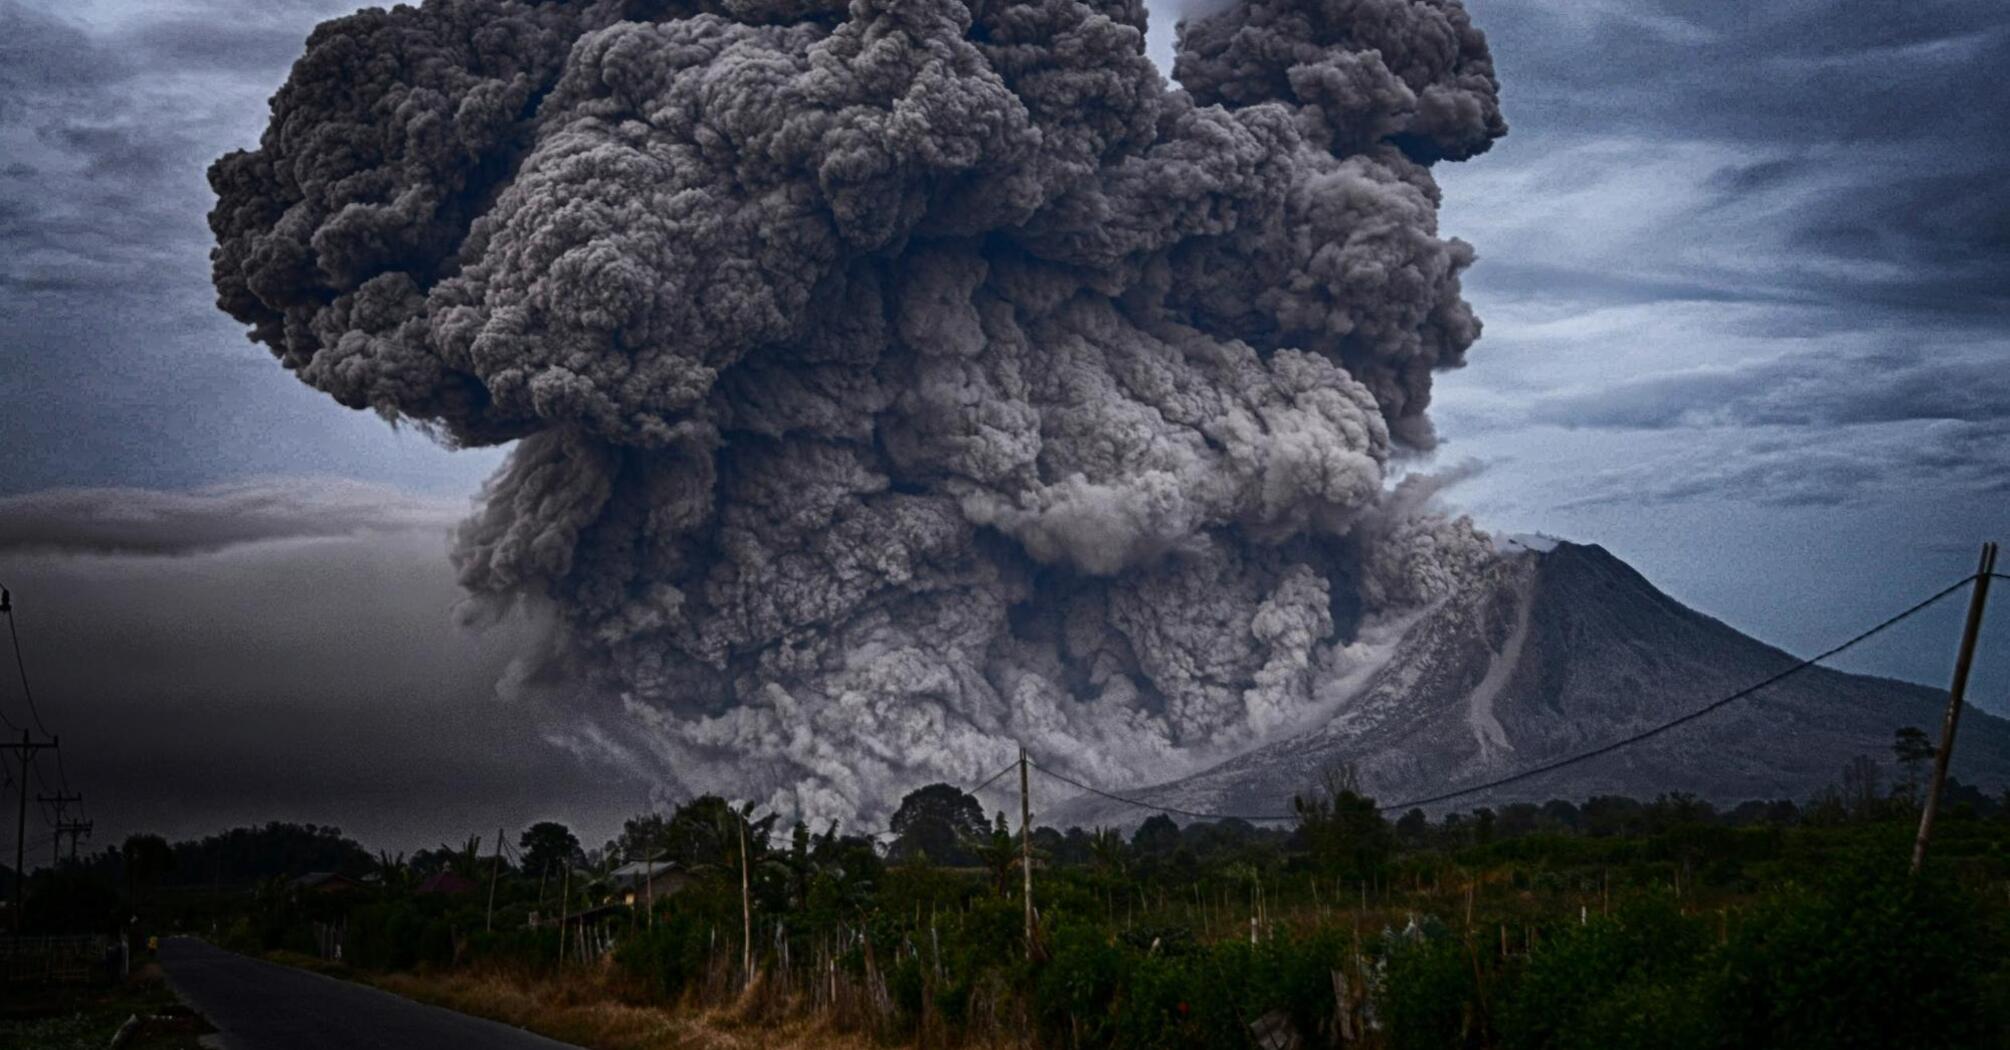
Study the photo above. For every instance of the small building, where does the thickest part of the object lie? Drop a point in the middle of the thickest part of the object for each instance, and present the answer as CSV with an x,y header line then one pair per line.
x,y
447,882
639,882
324,882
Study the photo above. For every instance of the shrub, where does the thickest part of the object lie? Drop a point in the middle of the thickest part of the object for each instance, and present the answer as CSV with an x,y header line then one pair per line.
x,y
667,957
1616,981
1431,996
1863,957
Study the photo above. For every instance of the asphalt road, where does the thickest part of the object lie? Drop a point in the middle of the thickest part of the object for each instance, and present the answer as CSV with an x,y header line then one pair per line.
x,y
258,1005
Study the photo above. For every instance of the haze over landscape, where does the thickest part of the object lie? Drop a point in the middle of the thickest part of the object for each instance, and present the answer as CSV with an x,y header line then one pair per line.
x,y
1746,343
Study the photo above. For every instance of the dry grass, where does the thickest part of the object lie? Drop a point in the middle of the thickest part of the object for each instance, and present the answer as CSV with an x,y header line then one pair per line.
x,y
591,1011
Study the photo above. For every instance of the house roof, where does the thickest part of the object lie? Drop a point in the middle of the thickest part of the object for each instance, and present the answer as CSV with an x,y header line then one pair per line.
x,y
323,880
635,873
446,882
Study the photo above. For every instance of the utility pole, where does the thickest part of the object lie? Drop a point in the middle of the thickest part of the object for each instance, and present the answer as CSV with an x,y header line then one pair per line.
x,y
1977,601
74,829
1026,847
495,868
61,801
26,752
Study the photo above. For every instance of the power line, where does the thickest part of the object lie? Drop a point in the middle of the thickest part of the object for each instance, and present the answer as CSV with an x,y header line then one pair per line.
x,y
987,782
1582,756
1149,805
44,781
993,778
7,606
21,667
1605,749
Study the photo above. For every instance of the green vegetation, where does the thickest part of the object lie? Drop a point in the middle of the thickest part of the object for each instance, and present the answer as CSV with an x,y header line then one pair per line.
x,y
1614,923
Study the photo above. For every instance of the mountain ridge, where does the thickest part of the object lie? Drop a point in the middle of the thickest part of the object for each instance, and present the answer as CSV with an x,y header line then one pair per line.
x,y
1550,653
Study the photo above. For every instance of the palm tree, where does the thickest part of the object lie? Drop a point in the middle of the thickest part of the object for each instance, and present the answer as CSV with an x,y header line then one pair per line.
x,y
393,874
467,860
1109,853
999,852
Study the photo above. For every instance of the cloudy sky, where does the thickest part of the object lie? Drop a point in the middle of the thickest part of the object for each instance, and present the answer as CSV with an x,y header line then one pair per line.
x,y
1743,271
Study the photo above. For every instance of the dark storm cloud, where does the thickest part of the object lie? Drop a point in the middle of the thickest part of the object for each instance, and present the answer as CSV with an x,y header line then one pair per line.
x,y
96,147
1718,222
1766,73
149,521
1873,132
110,123
109,113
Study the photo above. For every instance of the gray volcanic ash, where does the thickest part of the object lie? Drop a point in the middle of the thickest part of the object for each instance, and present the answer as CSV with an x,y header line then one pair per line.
x,y
892,381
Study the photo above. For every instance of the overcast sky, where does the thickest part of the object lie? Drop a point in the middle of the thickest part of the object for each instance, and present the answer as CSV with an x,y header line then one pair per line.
x,y
1743,271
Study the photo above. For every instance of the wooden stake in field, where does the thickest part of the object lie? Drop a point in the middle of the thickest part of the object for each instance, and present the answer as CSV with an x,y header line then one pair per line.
x,y
746,909
495,868
1978,599
564,908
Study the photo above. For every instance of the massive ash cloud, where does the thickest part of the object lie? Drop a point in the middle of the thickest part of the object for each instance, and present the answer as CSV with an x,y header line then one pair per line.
x,y
898,380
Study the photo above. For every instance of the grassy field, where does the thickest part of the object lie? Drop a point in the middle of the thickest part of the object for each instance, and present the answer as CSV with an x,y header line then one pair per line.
x,y
596,1008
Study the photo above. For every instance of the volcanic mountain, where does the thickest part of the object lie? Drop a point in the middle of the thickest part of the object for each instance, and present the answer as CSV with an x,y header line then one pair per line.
x,y
1557,648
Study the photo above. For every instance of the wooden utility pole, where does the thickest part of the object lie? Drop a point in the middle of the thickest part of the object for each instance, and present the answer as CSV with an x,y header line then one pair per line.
x,y
62,802
1026,846
746,909
25,750
1977,600
74,829
495,869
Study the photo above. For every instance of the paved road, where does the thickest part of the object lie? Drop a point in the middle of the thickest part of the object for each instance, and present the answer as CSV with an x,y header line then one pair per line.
x,y
262,1006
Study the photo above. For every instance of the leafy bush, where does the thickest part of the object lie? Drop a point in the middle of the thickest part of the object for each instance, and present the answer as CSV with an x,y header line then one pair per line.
x,y
1863,957
1431,995
1624,980
669,956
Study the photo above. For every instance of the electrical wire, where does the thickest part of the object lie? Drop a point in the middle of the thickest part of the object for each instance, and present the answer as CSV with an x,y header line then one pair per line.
x,y
21,667
993,778
34,712
987,782
1603,749
1165,809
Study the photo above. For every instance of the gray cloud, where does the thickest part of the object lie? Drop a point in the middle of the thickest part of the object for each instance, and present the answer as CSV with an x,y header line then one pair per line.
x,y
109,113
151,521
1944,381
1764,244
1862,145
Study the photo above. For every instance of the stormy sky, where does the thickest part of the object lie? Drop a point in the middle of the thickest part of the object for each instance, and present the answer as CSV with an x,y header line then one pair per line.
x,y
1742,273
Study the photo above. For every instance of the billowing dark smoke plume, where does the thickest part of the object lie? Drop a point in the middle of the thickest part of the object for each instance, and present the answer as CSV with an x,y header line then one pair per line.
x,y
896,380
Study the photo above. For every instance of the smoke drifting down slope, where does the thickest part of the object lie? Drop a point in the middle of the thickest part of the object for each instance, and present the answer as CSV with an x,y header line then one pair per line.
x,y
896,380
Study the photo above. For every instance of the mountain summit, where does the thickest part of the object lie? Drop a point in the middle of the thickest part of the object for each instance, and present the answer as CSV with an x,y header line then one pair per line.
x,y
1558,648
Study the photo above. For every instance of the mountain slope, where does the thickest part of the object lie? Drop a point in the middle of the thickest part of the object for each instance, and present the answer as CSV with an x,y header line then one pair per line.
x,y
1554,652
